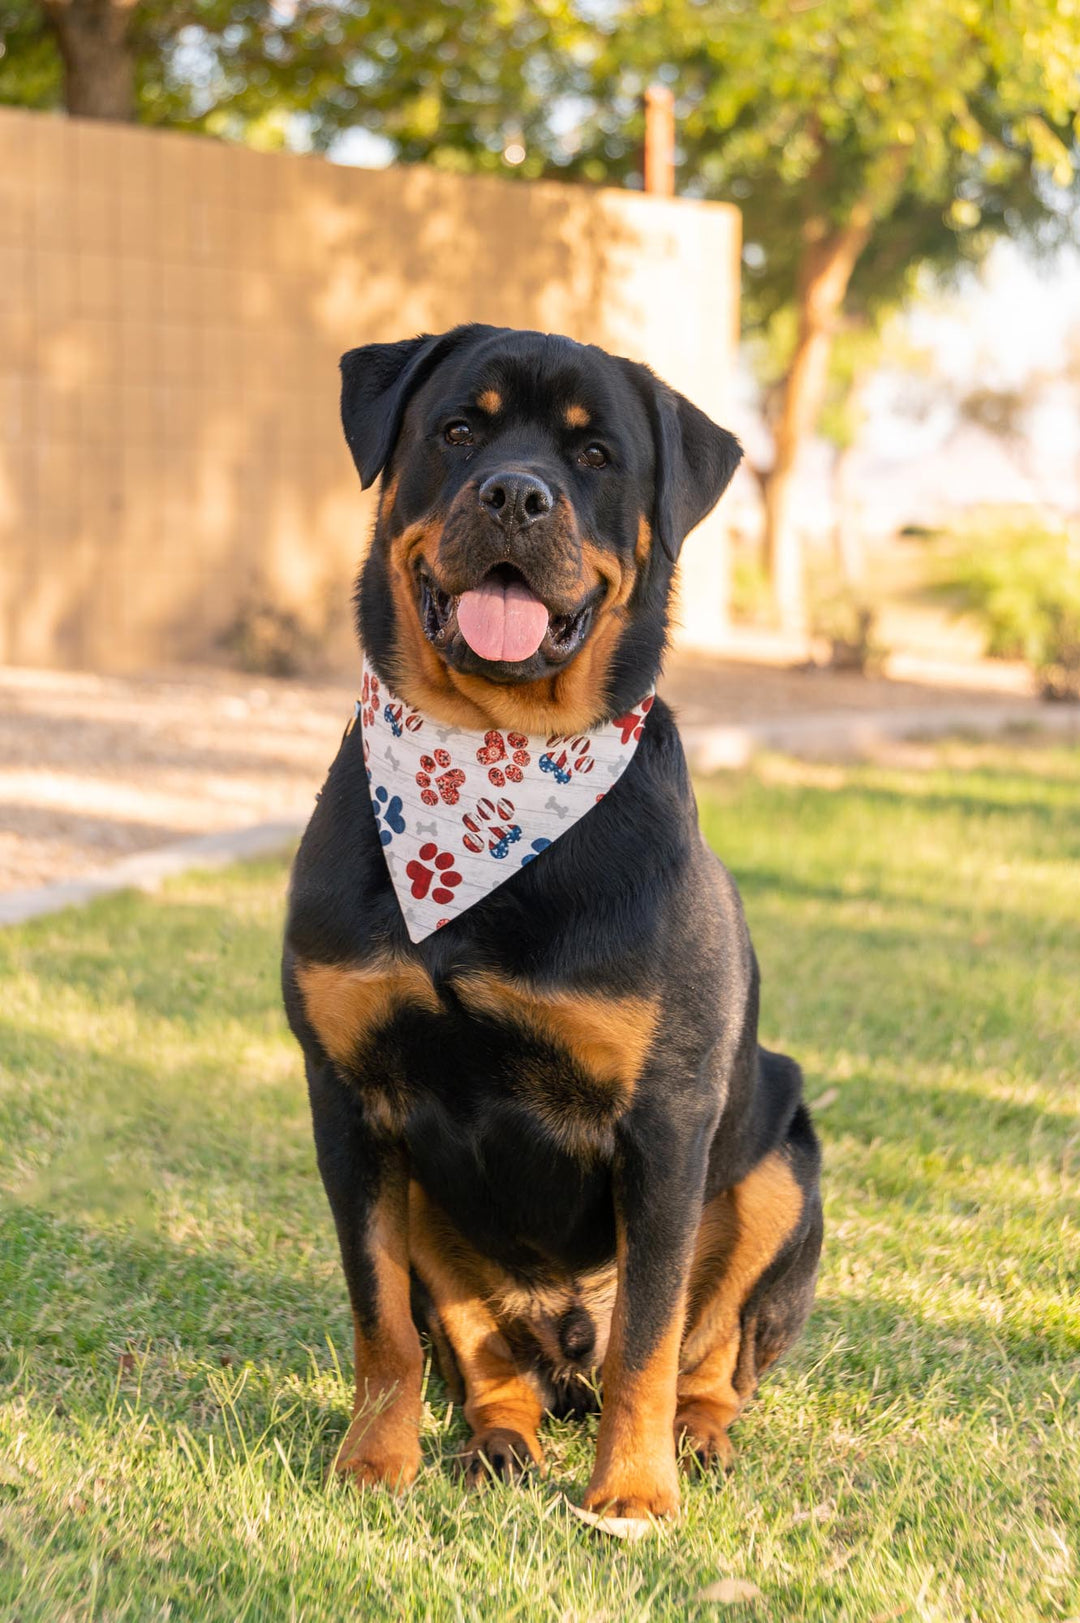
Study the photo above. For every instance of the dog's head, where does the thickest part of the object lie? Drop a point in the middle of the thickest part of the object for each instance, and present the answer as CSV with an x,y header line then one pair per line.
x,y
535,496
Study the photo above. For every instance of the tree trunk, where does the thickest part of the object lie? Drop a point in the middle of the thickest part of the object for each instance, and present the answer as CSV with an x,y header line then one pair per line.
x,y
99,61
828,259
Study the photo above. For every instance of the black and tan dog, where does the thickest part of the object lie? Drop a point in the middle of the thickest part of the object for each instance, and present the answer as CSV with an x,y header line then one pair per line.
x,y
547,1132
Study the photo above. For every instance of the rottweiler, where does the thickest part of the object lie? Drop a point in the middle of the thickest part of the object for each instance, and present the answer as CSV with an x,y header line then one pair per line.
x,y
549,1136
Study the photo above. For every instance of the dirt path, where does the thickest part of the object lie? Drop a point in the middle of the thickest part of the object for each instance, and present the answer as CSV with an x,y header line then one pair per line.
x,y
93,768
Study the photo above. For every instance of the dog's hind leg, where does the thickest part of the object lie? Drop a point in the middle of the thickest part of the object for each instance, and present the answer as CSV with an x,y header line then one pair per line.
x,y
751,1290
502,1406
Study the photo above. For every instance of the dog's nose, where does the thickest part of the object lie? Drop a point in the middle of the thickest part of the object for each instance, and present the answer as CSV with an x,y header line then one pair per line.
x,y
515,500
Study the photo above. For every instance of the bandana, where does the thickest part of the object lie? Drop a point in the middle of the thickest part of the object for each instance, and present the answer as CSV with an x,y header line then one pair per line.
x,y
459,812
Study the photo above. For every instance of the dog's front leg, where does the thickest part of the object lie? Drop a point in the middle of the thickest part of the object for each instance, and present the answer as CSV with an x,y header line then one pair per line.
x,y
366,1182
659,1176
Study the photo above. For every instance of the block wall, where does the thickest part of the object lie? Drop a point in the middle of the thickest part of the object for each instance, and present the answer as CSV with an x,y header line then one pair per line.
x,y
172,310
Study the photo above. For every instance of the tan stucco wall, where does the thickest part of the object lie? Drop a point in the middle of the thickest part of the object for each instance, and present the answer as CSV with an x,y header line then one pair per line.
x,y
171,315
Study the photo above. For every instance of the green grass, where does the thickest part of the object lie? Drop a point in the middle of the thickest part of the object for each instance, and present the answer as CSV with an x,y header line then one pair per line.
x,y
173,1327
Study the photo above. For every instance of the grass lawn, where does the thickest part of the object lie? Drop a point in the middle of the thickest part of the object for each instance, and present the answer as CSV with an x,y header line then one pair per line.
x,y
174,1338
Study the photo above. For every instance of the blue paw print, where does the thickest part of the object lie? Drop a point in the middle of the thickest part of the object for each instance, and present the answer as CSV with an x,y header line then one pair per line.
x,y
388,810
547,764
501,847
537,846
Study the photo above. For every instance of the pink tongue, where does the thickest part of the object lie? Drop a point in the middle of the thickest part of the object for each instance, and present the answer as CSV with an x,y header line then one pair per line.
x,y
502,622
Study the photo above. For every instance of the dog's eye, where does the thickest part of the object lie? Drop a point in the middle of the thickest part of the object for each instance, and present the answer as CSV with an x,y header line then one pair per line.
x,y
458,433
593,456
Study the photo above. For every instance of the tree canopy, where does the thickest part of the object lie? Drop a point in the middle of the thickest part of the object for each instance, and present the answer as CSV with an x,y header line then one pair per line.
x,y
441,81
955,119
864,144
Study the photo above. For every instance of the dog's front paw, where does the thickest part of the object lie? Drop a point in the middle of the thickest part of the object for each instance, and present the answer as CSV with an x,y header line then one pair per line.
x,y
499,1454
634,1494
371,1458
703,1442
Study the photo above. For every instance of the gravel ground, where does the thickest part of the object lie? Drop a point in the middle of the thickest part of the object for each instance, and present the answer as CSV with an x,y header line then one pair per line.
x,y
93,767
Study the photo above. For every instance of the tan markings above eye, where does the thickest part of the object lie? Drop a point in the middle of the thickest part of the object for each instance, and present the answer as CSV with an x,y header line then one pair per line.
x,y
576,417
490,401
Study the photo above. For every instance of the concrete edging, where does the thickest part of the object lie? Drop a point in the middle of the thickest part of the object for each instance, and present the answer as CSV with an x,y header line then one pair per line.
x,y
146,869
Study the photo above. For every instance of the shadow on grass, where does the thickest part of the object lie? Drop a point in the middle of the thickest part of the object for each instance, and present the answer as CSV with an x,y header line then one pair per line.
x,y
99,1322
76,1289
144,1338
947,1121
899,1350
187,962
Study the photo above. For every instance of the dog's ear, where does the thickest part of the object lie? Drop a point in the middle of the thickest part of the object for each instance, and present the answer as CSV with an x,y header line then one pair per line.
x,y
695,461
377,382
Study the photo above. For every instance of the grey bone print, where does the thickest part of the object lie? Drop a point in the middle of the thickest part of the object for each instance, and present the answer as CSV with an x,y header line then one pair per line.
x,y
391,758
552,805
431,828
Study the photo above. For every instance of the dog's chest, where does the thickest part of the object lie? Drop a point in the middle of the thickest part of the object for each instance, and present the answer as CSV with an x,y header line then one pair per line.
x,y
481,1044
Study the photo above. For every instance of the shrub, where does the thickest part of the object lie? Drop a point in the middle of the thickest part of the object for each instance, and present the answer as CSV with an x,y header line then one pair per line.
x,y
268,641
1019,577
845,620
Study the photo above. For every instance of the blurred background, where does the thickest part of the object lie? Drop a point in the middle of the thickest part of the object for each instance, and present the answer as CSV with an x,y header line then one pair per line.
x,y
847,231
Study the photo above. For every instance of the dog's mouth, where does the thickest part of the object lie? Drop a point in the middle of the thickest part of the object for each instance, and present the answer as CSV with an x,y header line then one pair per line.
x,y
502,622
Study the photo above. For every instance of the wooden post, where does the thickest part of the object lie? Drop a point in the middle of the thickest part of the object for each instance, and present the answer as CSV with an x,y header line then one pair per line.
x,y
660,141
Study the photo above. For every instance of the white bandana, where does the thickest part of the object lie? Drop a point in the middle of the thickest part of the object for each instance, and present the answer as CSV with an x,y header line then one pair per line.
x,y
459,812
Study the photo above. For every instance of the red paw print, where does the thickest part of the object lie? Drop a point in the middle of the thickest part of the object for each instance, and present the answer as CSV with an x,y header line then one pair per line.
x,y
441,870
630,725
446,785
369,698
496,748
